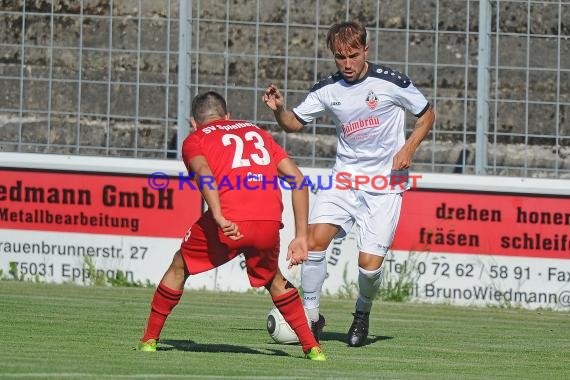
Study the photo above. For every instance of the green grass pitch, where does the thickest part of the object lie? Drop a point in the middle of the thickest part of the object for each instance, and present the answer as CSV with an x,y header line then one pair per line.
x,y
68,332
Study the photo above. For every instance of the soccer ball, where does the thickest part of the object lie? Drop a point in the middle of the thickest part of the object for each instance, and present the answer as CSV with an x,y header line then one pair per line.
x,y
279,329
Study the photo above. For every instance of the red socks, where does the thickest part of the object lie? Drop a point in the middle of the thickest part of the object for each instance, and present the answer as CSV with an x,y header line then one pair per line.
x,y
291,307
162,304
289,304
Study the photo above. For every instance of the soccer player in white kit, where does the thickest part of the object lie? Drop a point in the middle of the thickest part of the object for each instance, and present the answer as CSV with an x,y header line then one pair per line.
x,y
367,102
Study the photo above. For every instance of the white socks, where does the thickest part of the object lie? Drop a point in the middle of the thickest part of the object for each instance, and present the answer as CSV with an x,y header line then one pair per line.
x,y
313,274
368,283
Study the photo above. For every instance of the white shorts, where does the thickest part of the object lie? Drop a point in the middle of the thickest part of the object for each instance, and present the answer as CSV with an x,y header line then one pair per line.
x,y
375,214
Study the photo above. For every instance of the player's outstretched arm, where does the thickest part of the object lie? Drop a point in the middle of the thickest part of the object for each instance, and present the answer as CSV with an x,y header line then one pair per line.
x,y
276,102
297,251
403,159
199,165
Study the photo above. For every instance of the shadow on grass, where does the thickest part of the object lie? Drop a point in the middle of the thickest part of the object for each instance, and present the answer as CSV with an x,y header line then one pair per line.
x,y
341,337
191,346
249,329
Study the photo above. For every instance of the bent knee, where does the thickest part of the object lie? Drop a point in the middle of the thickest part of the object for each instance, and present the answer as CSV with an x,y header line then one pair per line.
x,y
178,267
321,236
319,244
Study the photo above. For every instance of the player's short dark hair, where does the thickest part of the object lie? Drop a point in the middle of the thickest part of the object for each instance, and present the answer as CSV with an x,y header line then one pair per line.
x,y
347,34
208,104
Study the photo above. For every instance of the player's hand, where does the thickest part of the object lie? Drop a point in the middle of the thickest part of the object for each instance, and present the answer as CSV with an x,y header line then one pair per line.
x,y
402,160
273,97
298,251
229,228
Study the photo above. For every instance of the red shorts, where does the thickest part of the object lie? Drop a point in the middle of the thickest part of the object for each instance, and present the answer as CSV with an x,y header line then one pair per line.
x,y
205,247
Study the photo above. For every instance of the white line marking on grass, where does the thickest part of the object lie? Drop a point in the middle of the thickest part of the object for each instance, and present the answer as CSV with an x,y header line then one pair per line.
x,y
134,376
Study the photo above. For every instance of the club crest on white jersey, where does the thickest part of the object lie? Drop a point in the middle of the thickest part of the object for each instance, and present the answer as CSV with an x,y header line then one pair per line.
x,y
371,100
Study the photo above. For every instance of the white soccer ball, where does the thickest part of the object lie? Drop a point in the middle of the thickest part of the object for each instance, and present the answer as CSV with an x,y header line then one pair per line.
x,y
279,329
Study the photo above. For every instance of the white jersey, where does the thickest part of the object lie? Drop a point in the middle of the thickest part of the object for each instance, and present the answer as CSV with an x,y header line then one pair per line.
x,y
369,118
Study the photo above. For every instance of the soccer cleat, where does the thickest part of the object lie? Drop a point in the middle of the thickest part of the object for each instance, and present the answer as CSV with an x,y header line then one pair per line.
x,y
316,353
358,331
317,327
147,346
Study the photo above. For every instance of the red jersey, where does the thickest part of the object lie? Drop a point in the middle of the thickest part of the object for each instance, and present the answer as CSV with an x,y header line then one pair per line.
x,y
243,159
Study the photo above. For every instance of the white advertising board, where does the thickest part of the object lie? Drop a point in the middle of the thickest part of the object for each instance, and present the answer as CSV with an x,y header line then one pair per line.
x,y
470,240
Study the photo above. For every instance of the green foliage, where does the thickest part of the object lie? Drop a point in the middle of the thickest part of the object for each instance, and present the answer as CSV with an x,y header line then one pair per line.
x,y
94,277
395,290
13,271
16,275
261,290
348,289
398,287
121,280
98,278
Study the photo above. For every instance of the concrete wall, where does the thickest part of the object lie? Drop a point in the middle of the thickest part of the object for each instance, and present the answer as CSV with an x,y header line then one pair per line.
x,y
157,74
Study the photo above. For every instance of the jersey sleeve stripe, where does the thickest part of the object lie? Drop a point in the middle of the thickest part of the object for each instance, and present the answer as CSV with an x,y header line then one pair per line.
x,y
423,111
299,118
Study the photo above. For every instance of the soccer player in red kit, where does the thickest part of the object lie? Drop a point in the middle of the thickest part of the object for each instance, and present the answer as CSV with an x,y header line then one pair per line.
x,y
238,168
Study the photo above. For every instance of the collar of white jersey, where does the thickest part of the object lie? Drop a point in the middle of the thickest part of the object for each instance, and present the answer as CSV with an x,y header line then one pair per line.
x,y
368,71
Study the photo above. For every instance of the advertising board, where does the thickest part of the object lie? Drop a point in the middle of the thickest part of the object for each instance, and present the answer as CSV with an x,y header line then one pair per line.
x,y
468,240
